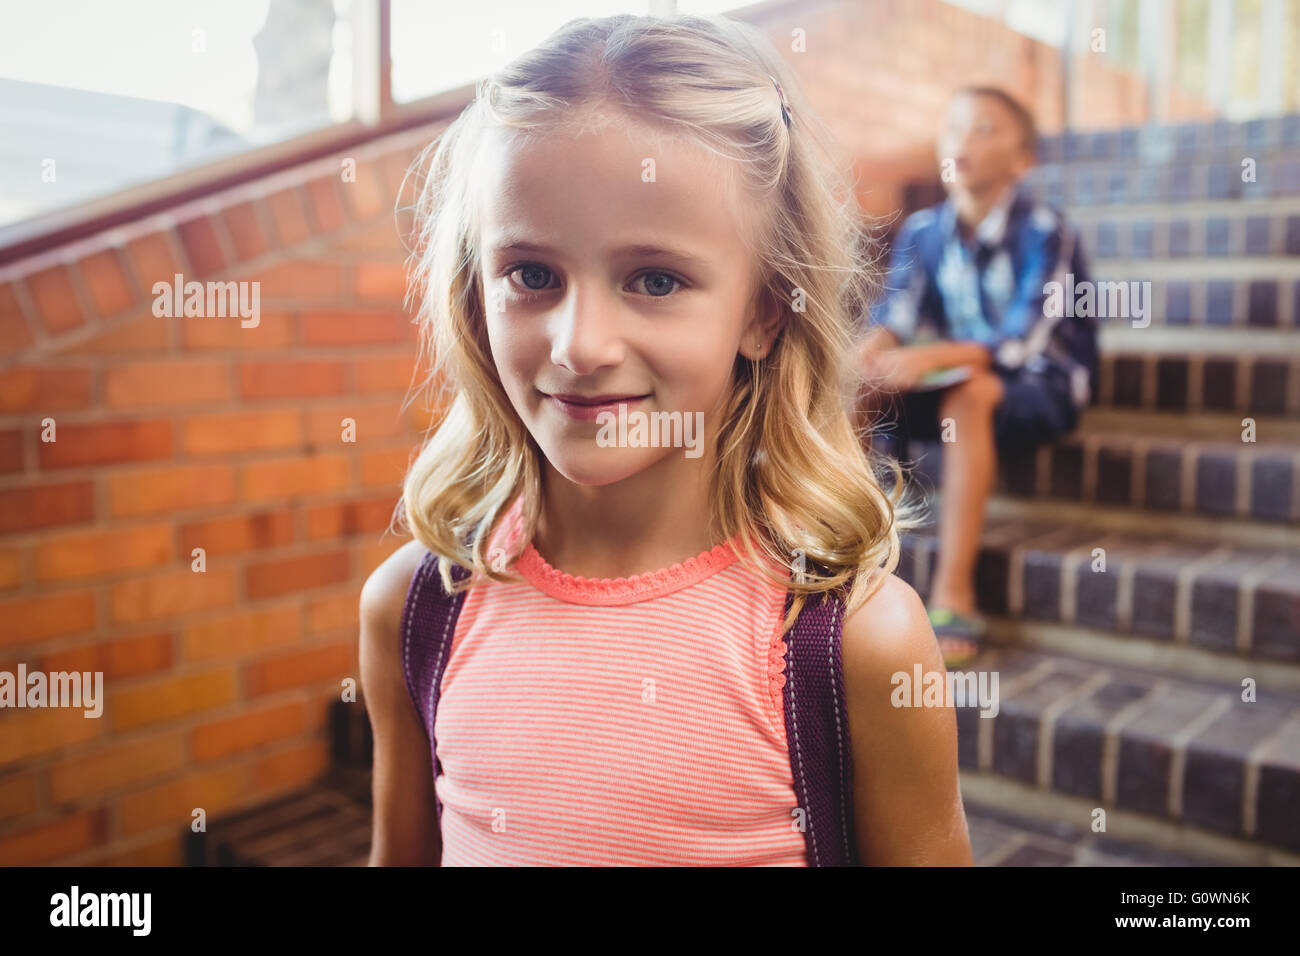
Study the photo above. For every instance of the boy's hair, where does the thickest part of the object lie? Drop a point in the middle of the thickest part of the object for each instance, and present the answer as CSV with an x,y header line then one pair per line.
x,y
792,473
1024,119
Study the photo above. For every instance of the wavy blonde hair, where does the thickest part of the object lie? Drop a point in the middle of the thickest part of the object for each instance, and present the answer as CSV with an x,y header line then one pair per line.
x,y
793,474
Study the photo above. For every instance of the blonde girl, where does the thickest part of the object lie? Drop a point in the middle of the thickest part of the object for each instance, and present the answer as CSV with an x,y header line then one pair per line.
x,y
642,217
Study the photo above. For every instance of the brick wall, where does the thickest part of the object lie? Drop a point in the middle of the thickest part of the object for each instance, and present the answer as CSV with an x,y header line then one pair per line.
x,y
175,434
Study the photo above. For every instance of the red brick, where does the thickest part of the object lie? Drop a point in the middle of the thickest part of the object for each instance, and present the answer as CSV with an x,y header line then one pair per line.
x,y
301,668
301,279
116,766
245,230
274,330
46,505
30,620
199,239
106,282
172,594
11,567
230,735
14,333
18,795
118,658
166,382
144,334
386,467
291,379
376,327
276,479
291,767
369,196
386,374
396,165
30,733
380,239
324,426
160,851
289,216
154,260
233,636
381,280
344,518
11,450
325,205
45,388
58,838
239,432
265,579
239,533
56,302
333,613
172,804
162,490
103,553
171,697
106,443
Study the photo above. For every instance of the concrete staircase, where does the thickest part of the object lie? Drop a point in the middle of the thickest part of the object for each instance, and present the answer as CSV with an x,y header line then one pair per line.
x,y
1143,572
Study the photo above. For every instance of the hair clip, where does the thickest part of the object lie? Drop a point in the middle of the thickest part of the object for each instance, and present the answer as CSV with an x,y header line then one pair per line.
x,y
785,106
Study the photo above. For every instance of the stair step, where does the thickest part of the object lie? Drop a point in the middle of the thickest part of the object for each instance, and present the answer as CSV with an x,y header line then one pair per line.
x,y
1243,295
1000,837
1210,175
1178,234
1238,600
1166,470
1166,748
327,824
1104,185
1214,380
1161,143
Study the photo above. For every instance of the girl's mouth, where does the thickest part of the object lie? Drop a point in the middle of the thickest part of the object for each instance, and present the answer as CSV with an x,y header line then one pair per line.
x,y
587,411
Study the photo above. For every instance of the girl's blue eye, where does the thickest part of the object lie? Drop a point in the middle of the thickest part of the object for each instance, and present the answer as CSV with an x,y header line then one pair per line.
x,y
524,271
534,278
664,277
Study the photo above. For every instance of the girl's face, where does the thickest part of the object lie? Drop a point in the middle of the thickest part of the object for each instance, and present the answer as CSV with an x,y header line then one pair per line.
x,y
613,267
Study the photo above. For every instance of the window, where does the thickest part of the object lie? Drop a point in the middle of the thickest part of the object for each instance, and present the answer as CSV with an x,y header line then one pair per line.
x,y
96,97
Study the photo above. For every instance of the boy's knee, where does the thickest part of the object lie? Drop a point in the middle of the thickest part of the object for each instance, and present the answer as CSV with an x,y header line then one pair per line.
x,y
984,389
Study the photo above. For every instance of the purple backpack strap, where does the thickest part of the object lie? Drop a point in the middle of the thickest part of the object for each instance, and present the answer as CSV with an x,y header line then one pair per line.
x,y
428,624
817,730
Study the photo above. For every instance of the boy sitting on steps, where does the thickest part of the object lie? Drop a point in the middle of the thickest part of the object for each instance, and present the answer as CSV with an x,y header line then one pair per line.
x,y
976,269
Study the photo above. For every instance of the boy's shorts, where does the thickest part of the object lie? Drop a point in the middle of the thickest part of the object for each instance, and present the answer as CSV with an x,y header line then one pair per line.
x,y
1037,407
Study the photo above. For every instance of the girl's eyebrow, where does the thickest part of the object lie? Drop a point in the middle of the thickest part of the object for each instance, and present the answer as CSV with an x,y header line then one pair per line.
x,y
635,250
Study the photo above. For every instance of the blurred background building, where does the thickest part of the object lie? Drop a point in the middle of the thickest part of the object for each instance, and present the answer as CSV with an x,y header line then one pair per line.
x,y
208,138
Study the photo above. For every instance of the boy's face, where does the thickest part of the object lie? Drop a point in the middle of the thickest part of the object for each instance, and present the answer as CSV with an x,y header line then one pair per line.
x,y
984,143
585,312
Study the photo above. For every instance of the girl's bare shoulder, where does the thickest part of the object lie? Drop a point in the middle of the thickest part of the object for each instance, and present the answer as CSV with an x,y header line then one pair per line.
x,y
889,632
383,596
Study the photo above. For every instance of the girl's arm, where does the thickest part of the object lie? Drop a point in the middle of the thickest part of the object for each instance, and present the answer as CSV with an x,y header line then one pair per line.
x,y
405,818
906,797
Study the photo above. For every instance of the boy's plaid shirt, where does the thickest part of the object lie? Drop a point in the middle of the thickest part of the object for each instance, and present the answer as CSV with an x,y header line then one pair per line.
x,y
991,290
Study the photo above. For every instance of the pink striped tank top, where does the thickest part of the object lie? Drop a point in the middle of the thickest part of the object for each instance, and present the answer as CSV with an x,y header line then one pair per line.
x,y
625,721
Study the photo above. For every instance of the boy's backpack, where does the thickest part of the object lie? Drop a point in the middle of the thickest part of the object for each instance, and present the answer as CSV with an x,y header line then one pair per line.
x,y
816,713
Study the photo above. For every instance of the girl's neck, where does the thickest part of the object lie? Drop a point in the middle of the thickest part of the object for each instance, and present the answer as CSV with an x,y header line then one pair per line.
x,y
649,521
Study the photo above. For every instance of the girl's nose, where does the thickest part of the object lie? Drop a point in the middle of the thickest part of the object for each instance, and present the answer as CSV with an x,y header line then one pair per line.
x,y
587,332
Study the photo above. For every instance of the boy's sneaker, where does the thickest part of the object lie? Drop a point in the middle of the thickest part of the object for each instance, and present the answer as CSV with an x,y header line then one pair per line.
x,y
964,633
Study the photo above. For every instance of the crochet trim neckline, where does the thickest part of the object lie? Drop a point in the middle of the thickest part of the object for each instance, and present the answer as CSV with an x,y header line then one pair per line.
x,y
577,589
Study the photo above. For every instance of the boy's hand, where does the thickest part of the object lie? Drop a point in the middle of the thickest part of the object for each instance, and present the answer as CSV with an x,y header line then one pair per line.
x,y
897,369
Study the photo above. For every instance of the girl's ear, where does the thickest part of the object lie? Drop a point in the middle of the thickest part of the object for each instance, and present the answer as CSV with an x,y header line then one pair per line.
x,y
770,317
